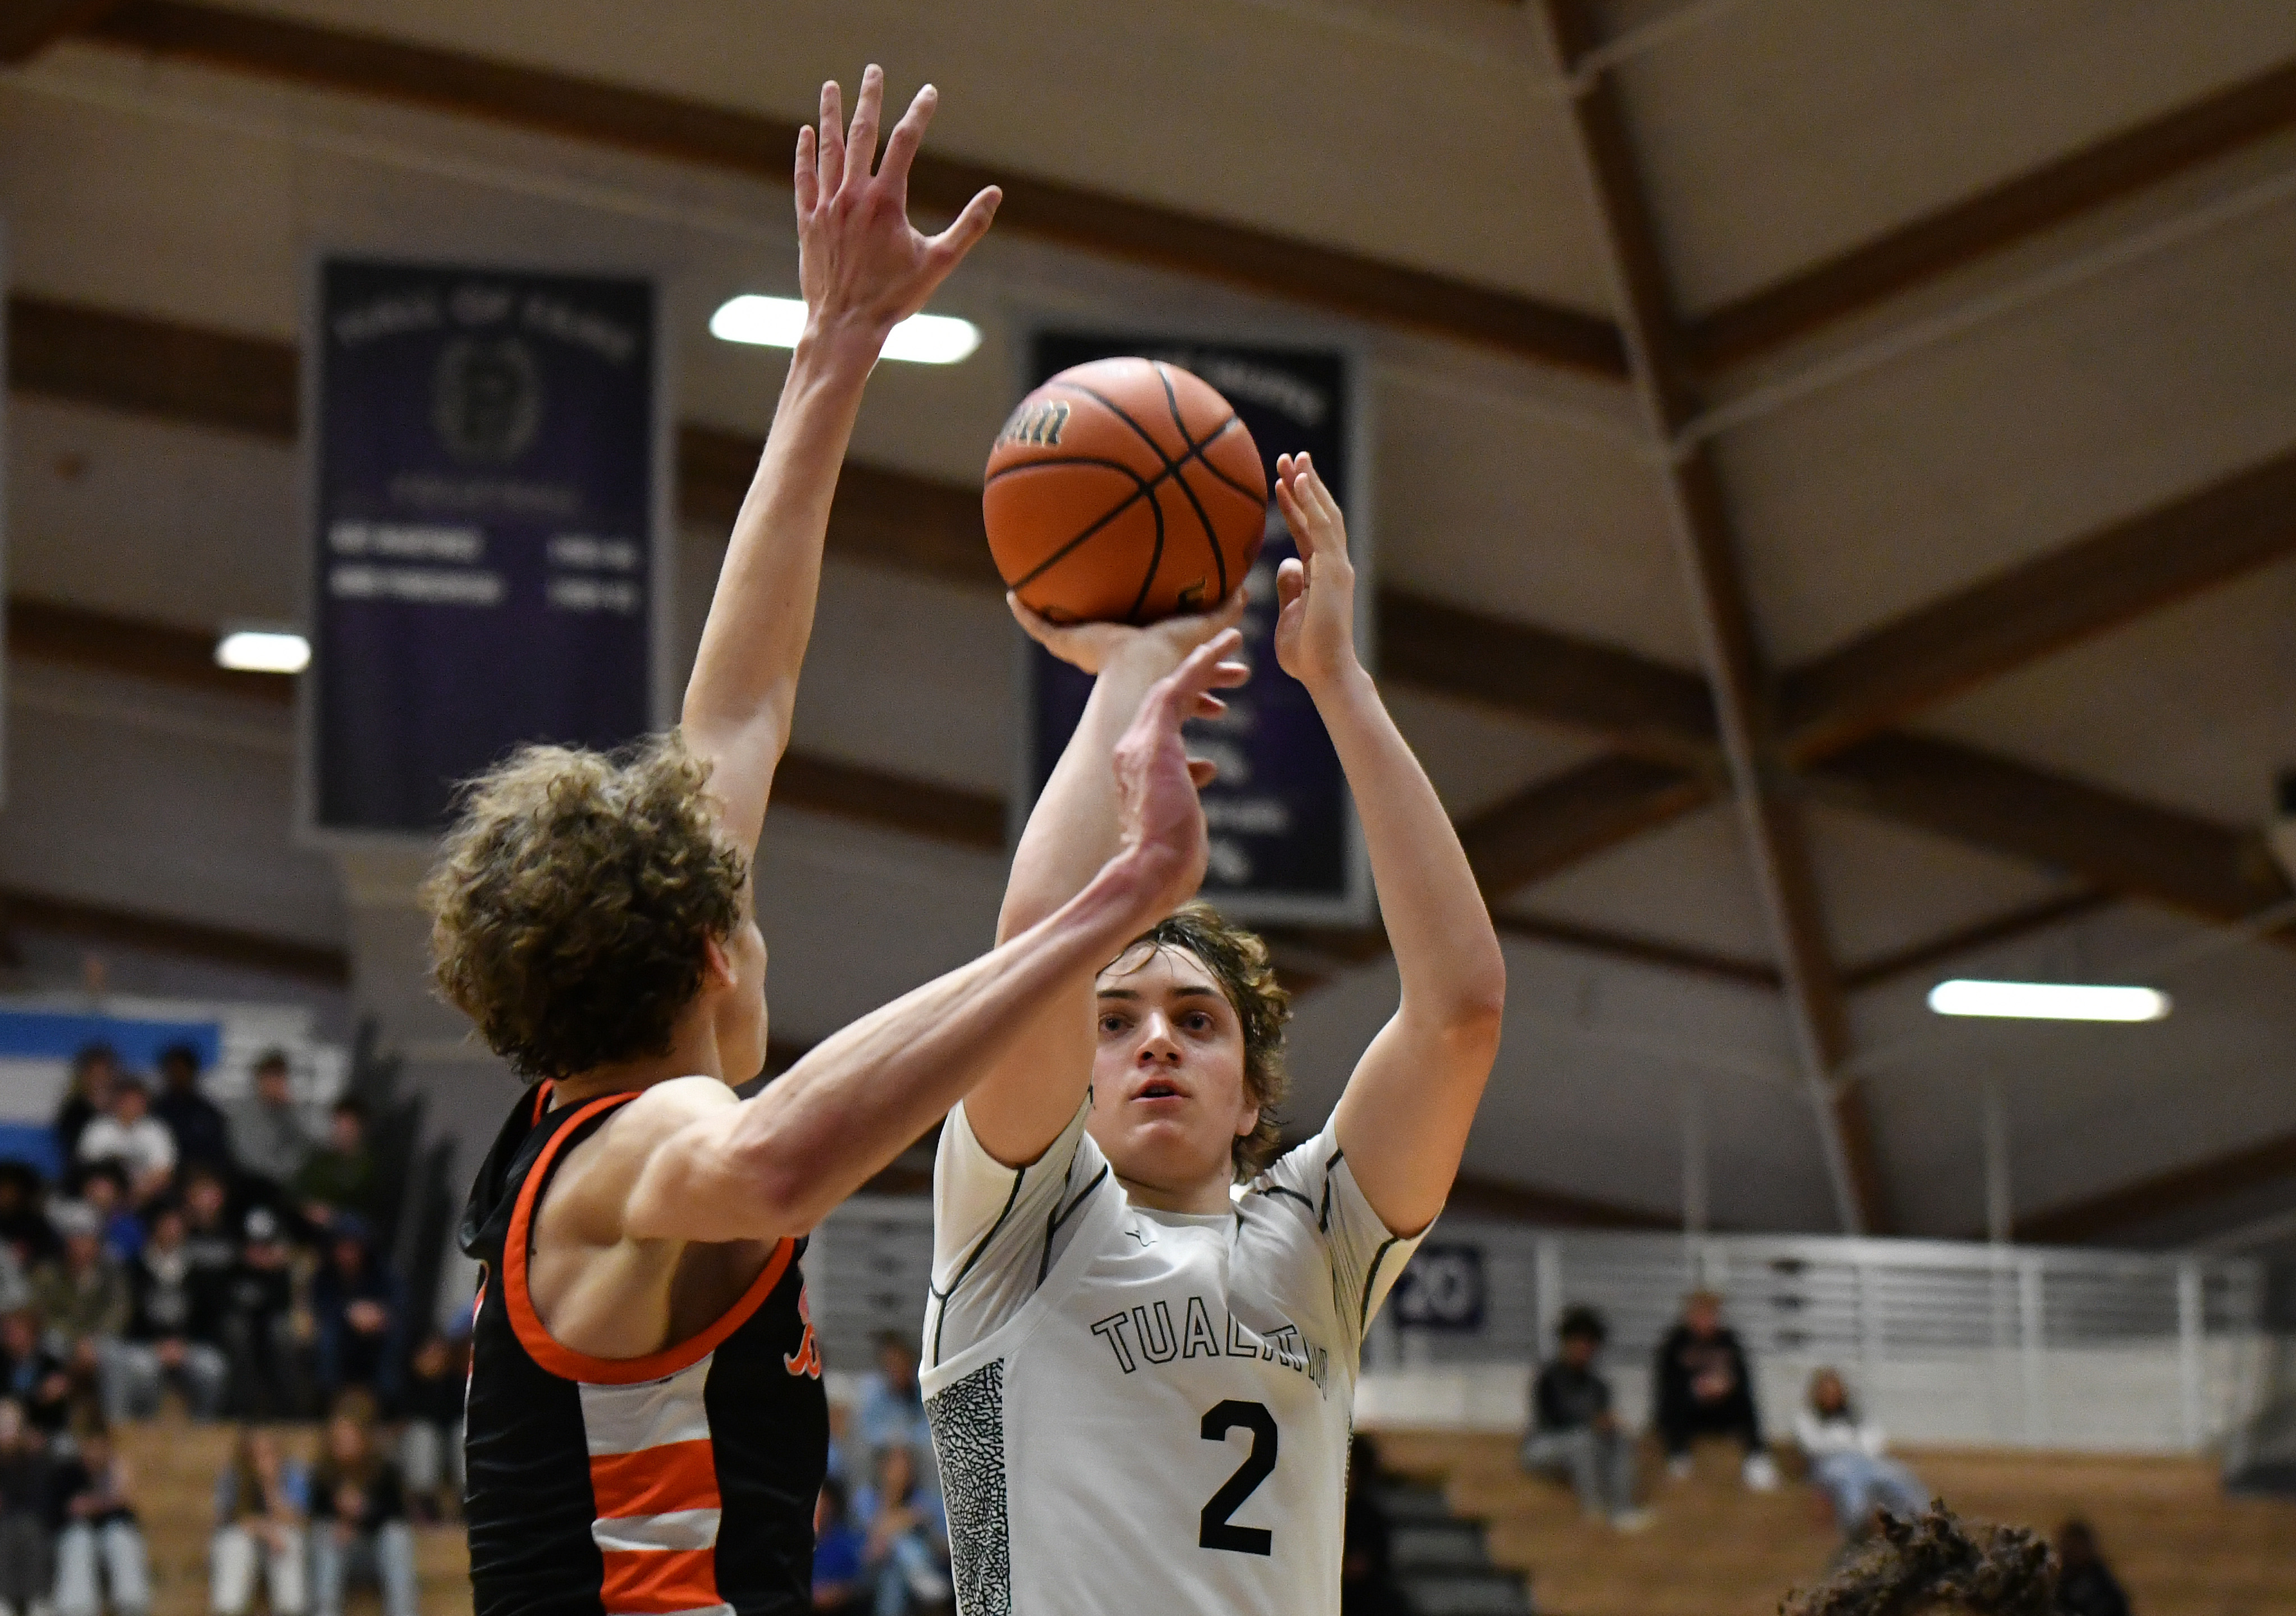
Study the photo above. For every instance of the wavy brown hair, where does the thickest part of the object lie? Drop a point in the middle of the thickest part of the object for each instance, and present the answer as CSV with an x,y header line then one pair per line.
x,y
1237,960
1934,1562
572,904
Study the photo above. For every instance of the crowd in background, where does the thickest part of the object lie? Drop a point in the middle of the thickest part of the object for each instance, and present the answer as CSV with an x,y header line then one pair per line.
x,y
1702,1388
230,1255
881,1534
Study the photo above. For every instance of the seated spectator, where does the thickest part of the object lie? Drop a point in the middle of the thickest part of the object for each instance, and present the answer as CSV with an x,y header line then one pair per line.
x,y
892,1408
99,1546
82,1302
840,1583
86,1096
34,1378
1703,1387
1935,1565
170,1336
268,1140
131,1136
24,1227
430,1443
210,1235
908,1549
2086,1584
255,1322
104,1186
262,1499
27,1571
1367,1585
358,1523
1847,1463
1573,1431
192,1119
356,1304
338,1177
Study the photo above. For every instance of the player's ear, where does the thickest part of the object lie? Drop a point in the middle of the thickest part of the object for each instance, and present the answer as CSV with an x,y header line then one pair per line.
x,y
716,964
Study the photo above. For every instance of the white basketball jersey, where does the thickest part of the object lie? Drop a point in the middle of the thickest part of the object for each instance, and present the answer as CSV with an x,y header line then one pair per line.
x,y
1143,1411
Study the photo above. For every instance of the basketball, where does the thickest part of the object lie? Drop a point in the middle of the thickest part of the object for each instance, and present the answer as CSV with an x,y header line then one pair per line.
x,y
1124,490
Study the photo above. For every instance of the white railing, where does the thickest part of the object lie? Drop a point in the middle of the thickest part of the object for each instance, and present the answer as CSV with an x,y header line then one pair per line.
x,y
1942,1343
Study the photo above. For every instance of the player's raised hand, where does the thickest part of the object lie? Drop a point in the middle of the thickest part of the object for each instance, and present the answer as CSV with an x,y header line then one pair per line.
x,y
1315,595
1159,818
1093,646
860,262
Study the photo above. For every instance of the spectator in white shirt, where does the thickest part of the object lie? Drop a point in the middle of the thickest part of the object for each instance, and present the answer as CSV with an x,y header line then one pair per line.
x,y
1847,1460
130,1134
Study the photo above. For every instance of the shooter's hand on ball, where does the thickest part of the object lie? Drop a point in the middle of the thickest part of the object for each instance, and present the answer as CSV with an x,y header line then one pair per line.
x,y
1315,595
861,264
1160,820
1095,647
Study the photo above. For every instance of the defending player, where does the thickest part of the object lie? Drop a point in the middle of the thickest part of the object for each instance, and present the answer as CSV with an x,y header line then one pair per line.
x,y
1139,1369
646,1428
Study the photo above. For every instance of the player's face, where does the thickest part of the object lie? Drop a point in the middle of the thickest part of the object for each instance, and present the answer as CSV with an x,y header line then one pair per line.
x,y
1168,1078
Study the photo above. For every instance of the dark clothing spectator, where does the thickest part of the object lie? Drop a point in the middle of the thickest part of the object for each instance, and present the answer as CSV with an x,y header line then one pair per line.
x,y
27,1503
338,1177
255,1322
95,1069
1574,1433
1569,1396
358,1524
171,1334
97,1535
33,1377
24,1227
200,1131
360,1310
1704,1389
82,1296
1367,1586
2086,1584
431,1442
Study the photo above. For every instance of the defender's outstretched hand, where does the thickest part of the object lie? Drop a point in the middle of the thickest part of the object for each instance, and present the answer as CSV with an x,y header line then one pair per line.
x,y
1315,595
859,259
1160,820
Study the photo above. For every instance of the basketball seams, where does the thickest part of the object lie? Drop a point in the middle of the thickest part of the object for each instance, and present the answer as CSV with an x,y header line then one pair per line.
x,y
1147,489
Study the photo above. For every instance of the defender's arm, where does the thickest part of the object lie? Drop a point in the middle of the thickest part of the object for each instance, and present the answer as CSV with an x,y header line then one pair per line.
x,y
863,268
775,1165
1404,1117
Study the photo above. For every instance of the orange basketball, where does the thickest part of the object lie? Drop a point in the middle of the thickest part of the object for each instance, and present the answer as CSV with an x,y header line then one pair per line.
x,y
1124,490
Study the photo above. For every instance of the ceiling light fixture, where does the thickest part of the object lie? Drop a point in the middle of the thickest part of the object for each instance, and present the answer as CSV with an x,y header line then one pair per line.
x,y
779,322
263,651
2048,1001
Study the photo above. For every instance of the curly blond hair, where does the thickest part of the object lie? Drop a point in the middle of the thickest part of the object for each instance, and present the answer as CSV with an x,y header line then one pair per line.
x,y
572,902
1238,960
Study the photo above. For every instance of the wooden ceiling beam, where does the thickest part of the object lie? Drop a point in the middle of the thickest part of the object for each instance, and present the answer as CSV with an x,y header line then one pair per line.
x,y
1554,824
759,147
1995,219
2120,573
1639,950
2166,1194
1778,846
141,365
28,27
2216,872
2019,921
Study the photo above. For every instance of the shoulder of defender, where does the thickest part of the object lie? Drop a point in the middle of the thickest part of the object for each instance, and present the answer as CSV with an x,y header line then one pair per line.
x,y
592,1188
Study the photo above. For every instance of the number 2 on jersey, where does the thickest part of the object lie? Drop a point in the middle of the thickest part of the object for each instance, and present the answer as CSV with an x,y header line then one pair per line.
x,y
1258,1466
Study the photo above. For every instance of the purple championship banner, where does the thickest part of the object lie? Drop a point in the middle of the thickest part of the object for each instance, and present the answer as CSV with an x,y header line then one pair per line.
x,y
486,524
1284,845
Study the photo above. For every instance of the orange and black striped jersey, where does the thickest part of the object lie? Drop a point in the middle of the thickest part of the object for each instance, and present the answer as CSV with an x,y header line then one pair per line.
x,y
681,1482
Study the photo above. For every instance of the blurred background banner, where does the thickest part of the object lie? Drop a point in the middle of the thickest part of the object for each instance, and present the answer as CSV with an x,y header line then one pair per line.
x,y
486,499
1284,839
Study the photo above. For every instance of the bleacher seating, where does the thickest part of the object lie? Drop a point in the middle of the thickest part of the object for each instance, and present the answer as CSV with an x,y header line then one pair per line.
x,y
175,1463
2182,1547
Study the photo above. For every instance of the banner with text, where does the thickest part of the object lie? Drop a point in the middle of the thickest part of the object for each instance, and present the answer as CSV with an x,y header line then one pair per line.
x,y
485,524
1284,845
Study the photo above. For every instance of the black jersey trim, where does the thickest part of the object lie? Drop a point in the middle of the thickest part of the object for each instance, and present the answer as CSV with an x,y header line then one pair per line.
x,y
1059,1216
1363,1317
972,1260
1286,1189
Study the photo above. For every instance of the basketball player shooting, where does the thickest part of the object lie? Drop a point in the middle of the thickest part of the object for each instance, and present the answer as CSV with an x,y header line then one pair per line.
x,y
646,1431
1142,1336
